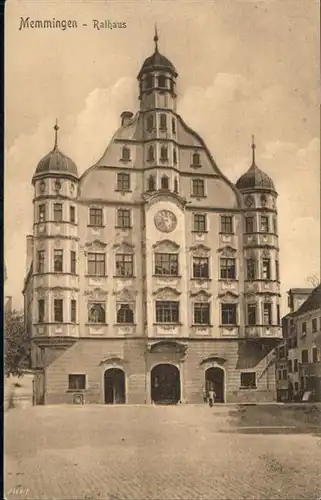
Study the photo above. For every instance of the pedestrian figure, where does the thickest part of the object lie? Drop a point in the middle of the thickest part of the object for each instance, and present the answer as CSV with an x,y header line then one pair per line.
x,y
204,394
211,397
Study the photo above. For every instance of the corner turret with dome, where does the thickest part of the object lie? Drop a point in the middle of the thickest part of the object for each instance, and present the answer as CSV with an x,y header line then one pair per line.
x,y
255,178
56,162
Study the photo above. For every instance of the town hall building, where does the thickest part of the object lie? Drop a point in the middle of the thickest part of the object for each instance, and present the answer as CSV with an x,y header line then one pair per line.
x,y
152,278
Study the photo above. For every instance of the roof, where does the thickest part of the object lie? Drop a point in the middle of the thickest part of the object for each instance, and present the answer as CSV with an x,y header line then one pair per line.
x,y
254,179
312,303
57,162
157,62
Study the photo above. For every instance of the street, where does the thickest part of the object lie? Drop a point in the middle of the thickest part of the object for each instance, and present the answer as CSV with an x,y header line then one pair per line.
x,y
161,452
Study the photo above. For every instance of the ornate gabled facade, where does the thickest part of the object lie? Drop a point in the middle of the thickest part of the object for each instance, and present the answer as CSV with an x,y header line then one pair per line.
x,y
152,275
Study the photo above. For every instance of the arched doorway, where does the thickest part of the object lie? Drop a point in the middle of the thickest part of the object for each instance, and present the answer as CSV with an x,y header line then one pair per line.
x,y
114,386
165,384
214,379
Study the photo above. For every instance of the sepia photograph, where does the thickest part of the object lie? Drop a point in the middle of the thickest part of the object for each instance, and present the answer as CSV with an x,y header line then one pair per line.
x,y
162,292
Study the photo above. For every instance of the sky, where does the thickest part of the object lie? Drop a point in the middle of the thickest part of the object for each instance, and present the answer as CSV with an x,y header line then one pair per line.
x,y
245,67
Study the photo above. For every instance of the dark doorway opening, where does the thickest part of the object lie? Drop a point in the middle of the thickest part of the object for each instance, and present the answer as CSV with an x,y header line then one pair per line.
x,y
166,384
214,379
114,382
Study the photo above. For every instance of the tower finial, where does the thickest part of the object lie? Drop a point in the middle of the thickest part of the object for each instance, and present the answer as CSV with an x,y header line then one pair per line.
x,y
156,38
56,128
253,150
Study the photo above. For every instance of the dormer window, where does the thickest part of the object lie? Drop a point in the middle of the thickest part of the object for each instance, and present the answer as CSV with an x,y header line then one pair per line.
x,y
163,121
161,81
165,182
151,183
164,153
149,82
125,154
196,160
150,154
150,122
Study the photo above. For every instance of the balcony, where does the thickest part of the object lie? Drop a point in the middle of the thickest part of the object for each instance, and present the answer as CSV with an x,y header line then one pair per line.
x,y
263,331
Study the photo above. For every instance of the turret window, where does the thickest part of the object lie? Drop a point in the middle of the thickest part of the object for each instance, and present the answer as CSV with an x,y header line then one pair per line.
x,y
125,314
196,161
151,183
163,122
58,212
150,154
41,261
250,269
72,214
249,224
96,217
42,213
267,313
96,264
41,311
149,81
264,224
175,186
58,261
251,314
161,80
174,156
58,311
165,182
266,269
73,260
173,126
125,154
150,122
73,311
123,182
275,226
277,270
164,153
278,315
96,312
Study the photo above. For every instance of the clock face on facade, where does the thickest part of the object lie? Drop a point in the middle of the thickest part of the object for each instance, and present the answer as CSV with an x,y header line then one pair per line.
x,y
165,221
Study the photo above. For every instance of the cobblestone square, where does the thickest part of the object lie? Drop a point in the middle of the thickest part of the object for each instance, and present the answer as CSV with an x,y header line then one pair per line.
x,y
155,452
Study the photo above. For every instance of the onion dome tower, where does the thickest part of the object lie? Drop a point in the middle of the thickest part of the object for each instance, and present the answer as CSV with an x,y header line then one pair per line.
x,y
157,95
55,246
261,253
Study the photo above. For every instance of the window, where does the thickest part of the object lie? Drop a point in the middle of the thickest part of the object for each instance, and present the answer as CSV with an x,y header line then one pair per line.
x,y
314,354
248,380
123,218
284,374
196,159
96,264
73,262
161,80
58,261
58,212
266,274
200,267
264,224
226,224
251,314
123,182
164,153
151,183
296,386
125,154
227,269
175,186
249,224
167,312
96,217
305,356
150,153
166,264
163,121
250,269
73,311
125,314
41,261
96,312
278,316
150,122
174,156
173,126
277,270
267,314
124,264
314,325
149,80
304,328
198,187
228,314
164,182
290,366
201,314
72,215
294,342
76,382
42,213
58,311
275,226
41,311
199,223
295,365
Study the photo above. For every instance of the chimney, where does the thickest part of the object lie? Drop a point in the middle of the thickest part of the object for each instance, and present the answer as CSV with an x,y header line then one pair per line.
x,y
126,118
29,251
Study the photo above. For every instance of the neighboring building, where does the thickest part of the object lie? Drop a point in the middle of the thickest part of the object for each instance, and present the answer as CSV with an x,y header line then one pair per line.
x,y
299,355
7,298
152,276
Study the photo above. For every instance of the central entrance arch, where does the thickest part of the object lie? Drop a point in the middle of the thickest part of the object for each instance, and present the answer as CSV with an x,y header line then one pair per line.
x,y
214,379
165,384
114,386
